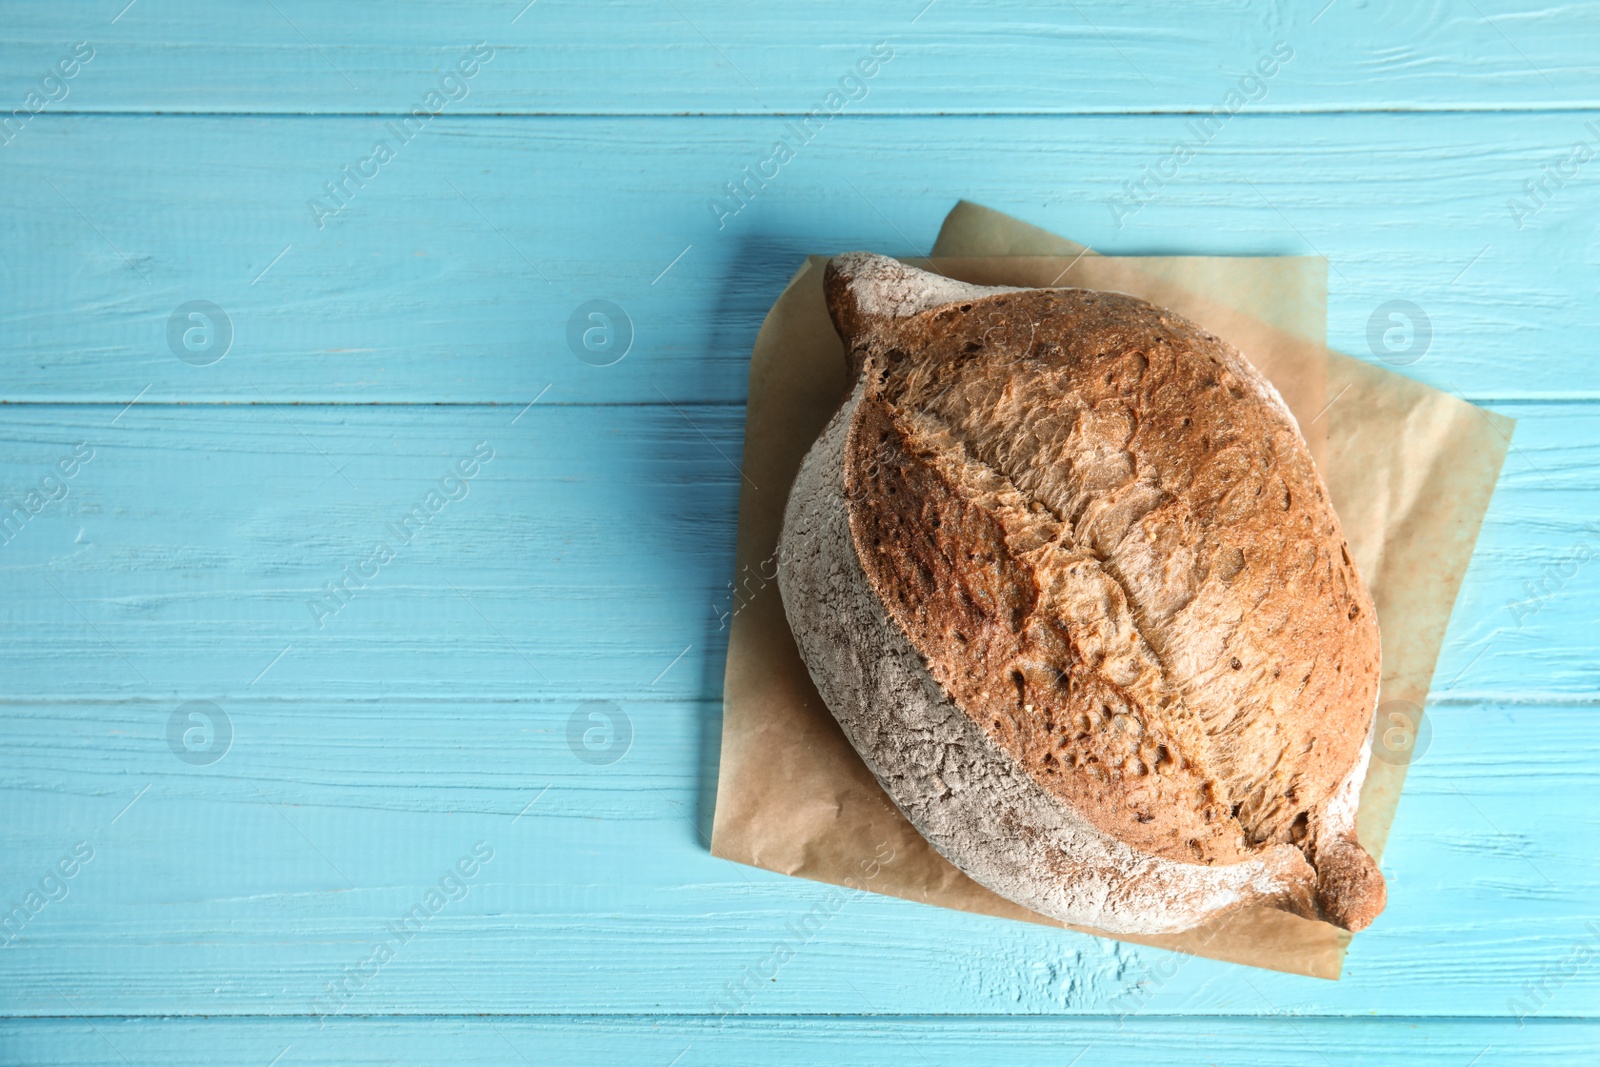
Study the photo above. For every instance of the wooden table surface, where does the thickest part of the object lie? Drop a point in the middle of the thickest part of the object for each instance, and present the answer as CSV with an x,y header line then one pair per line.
x,y
270,796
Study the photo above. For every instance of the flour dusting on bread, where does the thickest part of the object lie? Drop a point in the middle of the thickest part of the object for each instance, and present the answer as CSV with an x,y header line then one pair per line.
x,y
1089,550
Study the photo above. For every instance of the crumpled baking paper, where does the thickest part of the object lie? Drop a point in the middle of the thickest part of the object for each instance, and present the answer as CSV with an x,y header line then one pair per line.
x,y
1410,470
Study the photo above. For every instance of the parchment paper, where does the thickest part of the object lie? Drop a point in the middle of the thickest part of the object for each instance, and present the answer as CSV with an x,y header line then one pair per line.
x,y
1410,470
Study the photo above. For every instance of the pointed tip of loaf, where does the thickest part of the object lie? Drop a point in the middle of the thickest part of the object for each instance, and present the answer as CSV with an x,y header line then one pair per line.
x,y
860,286
865,291
870,286
1350,888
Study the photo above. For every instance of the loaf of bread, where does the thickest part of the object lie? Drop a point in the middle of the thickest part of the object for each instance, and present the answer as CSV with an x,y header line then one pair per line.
x,y
1064,572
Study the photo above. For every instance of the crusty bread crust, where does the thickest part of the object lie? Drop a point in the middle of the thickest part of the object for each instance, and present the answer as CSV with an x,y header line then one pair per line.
x,y
1102,534
965,793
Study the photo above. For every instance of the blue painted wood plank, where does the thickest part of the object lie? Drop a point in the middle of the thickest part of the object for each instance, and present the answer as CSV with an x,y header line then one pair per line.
x,y
581,547
587,560
269,880
849,1042
715,55
200,542
375,734
455,274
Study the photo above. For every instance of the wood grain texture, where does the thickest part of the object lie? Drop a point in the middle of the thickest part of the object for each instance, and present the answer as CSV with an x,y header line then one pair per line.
x,y
248,885
881,1041
589,552
452,275
637,56
444,702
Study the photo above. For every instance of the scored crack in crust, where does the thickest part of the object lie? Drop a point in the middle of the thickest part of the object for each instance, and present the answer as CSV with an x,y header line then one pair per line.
x,y
1101,531
978,806
1017,620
